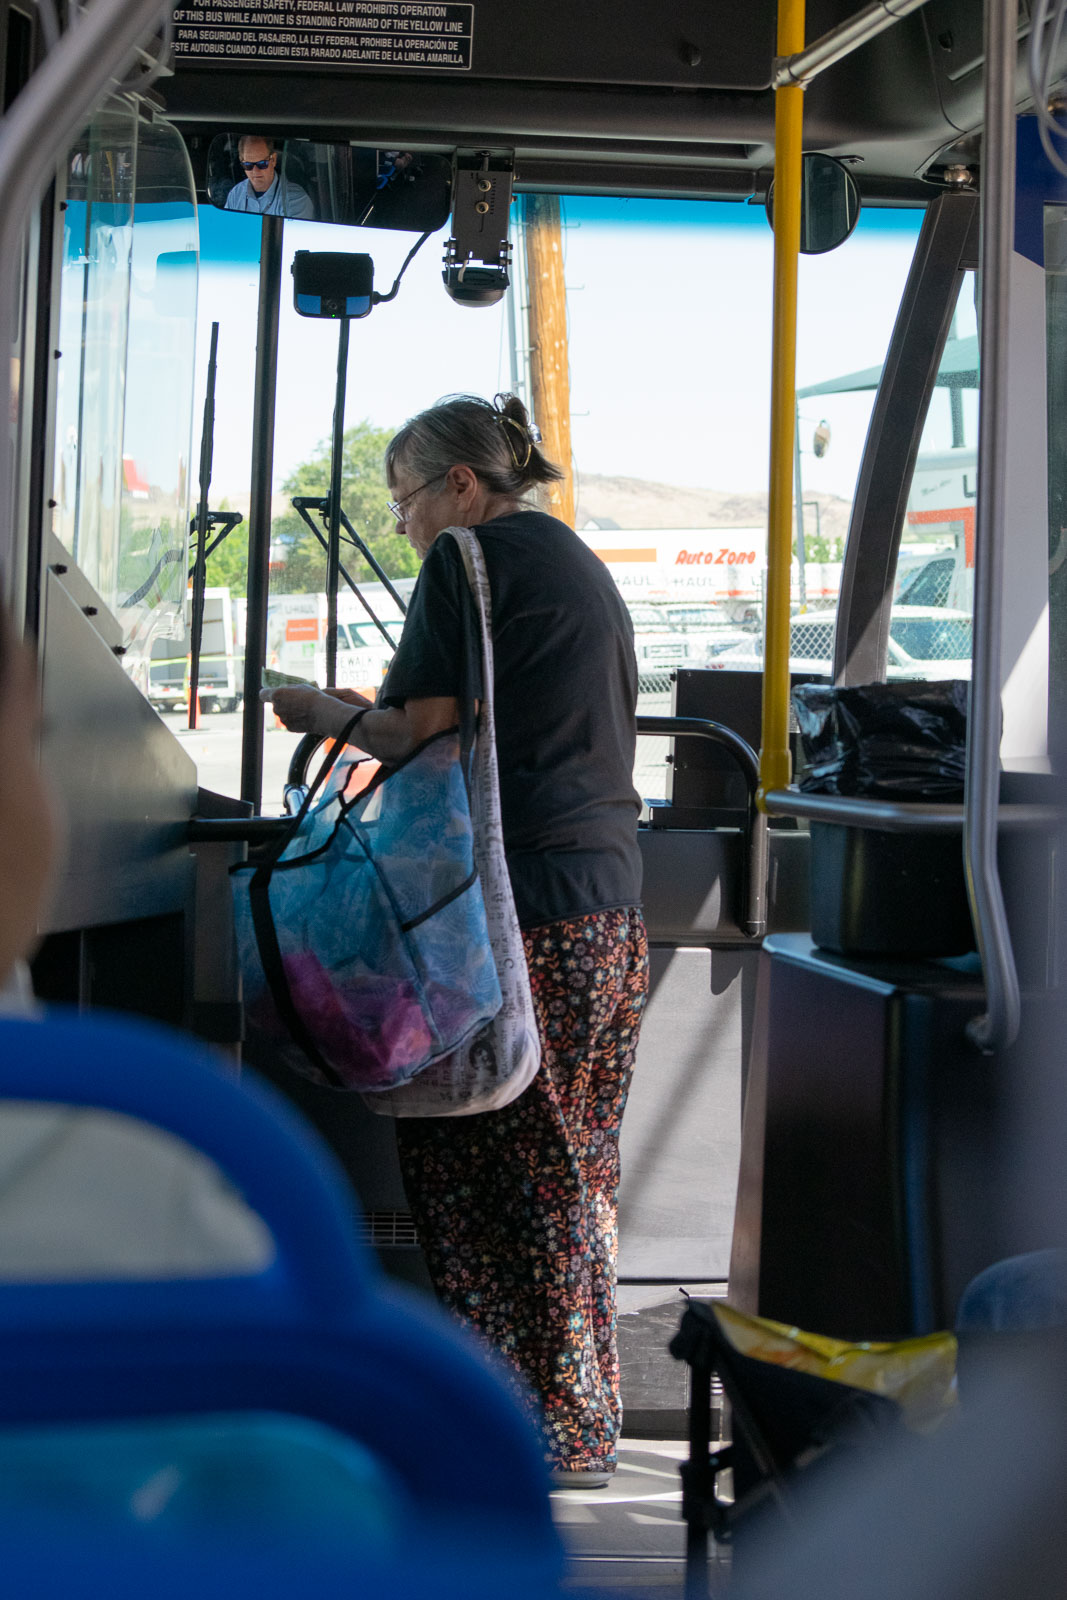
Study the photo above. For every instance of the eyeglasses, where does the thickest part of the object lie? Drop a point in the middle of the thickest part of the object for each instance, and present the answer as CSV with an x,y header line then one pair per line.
x,y
256,166
397,506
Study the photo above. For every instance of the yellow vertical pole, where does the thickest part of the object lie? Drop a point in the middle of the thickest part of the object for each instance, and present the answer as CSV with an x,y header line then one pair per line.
x,y
788,143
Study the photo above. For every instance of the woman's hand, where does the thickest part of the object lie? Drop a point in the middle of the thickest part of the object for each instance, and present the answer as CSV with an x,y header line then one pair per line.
x,y
311,711
351,697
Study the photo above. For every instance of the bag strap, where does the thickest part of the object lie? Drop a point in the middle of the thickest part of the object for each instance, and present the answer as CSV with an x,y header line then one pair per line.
x,y
478,584
323,773
263,925
270,956
471,651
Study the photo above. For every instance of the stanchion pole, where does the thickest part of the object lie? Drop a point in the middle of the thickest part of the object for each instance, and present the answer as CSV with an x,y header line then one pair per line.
x,y
775,770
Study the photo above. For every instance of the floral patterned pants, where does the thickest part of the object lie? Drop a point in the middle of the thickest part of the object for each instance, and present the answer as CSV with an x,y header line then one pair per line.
x,y
516,1210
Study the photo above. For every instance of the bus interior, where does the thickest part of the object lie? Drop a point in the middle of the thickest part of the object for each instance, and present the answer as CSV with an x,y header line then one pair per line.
x,y
848,1100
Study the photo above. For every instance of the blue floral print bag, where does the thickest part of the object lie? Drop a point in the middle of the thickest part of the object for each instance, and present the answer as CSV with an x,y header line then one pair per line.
x,y
363,940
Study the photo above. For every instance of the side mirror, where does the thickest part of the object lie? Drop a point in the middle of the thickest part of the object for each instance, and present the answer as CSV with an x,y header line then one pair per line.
x,y
829,204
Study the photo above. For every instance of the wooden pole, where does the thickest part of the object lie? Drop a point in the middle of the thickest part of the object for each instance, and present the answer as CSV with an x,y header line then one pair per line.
x,y
549,365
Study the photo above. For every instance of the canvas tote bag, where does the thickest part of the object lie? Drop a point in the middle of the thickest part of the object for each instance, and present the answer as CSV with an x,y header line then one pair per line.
x,y
502,1060
363,940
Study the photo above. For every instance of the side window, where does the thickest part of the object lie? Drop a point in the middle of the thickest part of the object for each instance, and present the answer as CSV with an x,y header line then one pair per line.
x,y
934,595
670,423
125,386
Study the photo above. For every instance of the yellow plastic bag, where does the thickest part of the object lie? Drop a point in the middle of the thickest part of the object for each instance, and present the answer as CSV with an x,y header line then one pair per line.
x,y
919,1374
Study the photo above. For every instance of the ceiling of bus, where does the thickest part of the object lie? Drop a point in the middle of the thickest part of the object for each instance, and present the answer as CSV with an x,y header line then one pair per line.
x,y
639,96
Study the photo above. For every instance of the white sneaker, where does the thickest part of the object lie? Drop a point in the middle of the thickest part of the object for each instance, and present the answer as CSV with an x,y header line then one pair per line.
x,y
590,1478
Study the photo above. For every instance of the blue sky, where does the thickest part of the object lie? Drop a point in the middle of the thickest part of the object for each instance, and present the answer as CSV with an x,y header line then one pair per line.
x,y
669,310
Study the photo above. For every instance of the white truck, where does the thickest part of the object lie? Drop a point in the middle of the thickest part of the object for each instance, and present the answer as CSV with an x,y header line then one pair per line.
x,y
296,635
221,660
941,512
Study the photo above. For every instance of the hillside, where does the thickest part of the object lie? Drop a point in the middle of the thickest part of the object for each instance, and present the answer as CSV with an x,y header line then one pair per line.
x,y
639,503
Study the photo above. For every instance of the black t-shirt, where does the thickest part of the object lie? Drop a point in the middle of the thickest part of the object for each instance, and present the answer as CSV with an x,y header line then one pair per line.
x,y
565,703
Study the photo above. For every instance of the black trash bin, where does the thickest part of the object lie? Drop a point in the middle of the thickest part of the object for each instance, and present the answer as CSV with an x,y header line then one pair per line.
x,y
874,892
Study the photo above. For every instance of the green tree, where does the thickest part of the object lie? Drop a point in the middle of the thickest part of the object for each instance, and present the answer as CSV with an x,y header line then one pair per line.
x,y
820,547
298,560
228,565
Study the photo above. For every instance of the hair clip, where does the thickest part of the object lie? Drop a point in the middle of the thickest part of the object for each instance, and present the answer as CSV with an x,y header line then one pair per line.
x,y
509,422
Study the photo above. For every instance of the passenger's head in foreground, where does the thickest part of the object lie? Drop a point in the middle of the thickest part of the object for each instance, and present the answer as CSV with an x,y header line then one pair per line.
x,y
27,830
462,462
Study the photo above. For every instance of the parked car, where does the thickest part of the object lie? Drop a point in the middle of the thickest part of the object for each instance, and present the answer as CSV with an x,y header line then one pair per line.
x,y
925,642
659,646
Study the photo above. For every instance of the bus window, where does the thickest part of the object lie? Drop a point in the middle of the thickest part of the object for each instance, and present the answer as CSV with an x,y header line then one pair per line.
x,y
669,427
670,419
934,595
402,358
124,394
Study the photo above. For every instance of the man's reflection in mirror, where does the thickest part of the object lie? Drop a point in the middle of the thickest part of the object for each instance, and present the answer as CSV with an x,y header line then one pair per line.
x,y
264,189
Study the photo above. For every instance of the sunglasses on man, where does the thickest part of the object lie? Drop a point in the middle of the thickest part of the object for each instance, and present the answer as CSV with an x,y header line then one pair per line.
x,y
257,166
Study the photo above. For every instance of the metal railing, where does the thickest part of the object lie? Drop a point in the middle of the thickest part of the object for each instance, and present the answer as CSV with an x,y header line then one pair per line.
x,y
800,69
752,912
999,1024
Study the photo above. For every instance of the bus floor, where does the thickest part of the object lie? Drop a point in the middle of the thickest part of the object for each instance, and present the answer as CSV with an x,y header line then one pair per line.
x,y
629,1537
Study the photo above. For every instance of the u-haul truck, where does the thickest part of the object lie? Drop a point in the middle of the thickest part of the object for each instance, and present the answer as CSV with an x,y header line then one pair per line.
x,y
296,636
941,508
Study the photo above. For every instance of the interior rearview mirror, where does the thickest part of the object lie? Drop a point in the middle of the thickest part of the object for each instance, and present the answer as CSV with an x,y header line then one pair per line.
x,y
829,204
308,182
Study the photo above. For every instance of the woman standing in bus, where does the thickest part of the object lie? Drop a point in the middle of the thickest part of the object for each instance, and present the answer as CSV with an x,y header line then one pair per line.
x,y
516,1209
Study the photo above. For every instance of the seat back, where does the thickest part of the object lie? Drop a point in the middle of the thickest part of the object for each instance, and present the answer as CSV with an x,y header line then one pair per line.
x,y
314,1332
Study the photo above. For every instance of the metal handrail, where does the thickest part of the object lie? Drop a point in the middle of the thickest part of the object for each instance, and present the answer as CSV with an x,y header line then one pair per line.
x,y
999,1024
752,918
903,816
840,42
236,830
36,130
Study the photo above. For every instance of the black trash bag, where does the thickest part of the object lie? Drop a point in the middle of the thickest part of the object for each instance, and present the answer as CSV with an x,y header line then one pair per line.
x,y
884,741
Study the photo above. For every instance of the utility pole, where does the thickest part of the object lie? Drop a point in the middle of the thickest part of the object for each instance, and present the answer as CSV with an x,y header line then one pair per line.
x,y
549,365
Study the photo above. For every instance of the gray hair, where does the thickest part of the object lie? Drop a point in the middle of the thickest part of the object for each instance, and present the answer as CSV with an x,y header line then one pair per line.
x,y
495,438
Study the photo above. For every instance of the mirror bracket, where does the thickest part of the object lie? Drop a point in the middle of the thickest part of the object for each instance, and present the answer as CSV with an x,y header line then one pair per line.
x,y
478,252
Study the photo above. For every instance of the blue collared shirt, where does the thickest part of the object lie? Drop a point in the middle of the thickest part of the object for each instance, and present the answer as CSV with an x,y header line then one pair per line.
x,y
283,199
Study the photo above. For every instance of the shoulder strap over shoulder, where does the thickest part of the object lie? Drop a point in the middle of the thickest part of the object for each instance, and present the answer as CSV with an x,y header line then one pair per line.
x,y
478,579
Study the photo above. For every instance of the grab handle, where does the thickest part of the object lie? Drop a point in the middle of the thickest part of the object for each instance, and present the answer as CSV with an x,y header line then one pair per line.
x,y
752,917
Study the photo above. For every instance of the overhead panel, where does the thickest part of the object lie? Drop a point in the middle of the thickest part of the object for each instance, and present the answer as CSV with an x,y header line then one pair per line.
x,y
690,43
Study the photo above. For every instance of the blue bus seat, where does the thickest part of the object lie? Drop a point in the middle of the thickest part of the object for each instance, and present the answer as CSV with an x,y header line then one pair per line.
x,y
251,1476
316,1333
